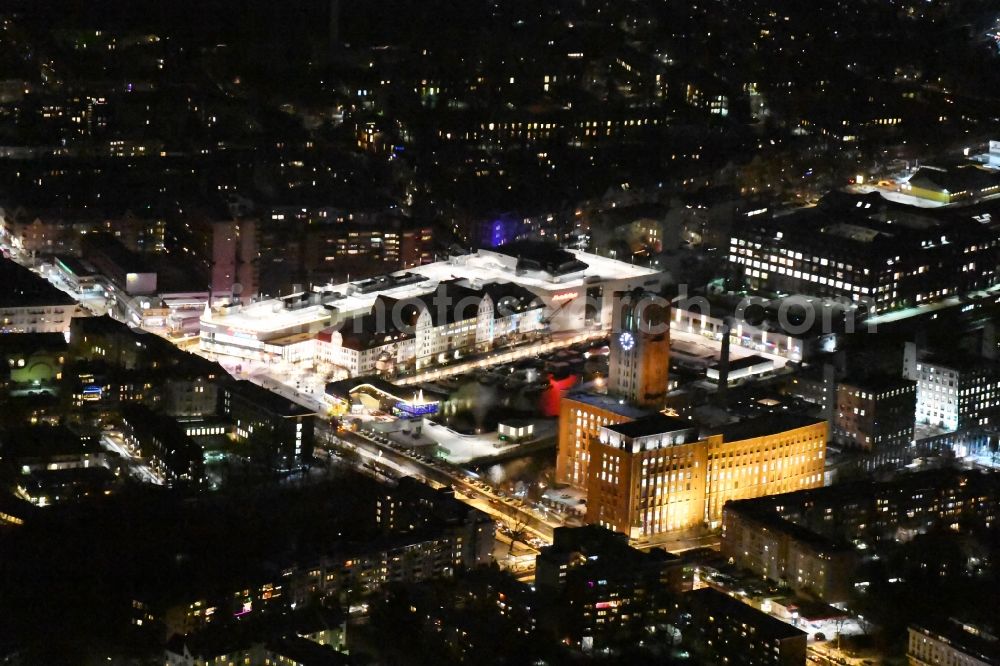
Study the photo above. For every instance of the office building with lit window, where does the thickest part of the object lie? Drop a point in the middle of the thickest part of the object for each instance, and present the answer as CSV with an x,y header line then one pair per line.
x,y
758,540
581,417
799,538
954,392
728,631
953,642
660,473
865,248
163,441
276,431
642,488
383,245
30,304
876,415
603,585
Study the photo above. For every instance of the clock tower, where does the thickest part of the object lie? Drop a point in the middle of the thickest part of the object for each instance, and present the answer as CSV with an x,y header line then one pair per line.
x,y
640,349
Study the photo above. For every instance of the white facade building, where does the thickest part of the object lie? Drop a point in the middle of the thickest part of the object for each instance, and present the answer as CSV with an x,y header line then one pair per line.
x,y
30,304
574,290
957,645
467,322
953,394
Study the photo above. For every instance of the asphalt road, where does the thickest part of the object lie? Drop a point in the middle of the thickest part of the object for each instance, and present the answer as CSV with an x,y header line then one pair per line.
x,y
466,489
135,465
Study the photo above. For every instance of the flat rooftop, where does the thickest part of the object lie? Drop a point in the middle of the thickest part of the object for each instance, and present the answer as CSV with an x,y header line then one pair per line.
x,y
745,362
76,266
37,442
983,646
651,425
851,232
112,248
610,403
484,268
862,222
956,360
763,426
22,288
877,383
607,547
347,299
265,399
28,343
710,599
268,317
540,256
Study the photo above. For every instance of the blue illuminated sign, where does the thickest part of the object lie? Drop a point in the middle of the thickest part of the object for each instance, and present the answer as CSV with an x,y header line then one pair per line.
x,y
410,409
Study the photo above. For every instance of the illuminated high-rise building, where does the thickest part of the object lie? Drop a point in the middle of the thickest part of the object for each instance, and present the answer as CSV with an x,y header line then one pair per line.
x,y
581,417
660,473
639,365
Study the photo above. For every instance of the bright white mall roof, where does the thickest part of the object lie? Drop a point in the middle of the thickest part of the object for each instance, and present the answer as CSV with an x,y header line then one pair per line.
x,y
269,317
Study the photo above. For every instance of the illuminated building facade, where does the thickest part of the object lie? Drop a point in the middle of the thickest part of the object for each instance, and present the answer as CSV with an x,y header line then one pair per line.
x,y
639,364
445,325
732,632
32,360
876,415
277,430
538,129
948,186
952,642
660,473
581,417
741,333
164,442
575,291
954,393
29,304
798,538
771,454
373,393
386,245
807,562
605,586
865,249
647,476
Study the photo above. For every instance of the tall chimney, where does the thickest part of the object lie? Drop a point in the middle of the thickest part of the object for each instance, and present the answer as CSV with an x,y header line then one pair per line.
x,y
721,397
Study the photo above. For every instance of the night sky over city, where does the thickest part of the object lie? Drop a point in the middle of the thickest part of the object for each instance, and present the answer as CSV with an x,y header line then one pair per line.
x,y
499,332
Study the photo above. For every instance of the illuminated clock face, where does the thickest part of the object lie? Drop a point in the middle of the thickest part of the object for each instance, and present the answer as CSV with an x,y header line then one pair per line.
x,y
626,341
